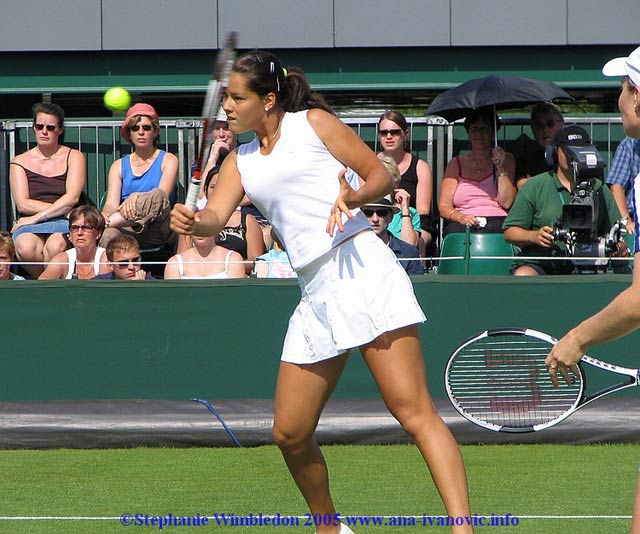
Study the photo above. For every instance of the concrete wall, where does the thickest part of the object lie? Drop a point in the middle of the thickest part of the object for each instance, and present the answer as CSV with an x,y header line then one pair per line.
x,y
77,25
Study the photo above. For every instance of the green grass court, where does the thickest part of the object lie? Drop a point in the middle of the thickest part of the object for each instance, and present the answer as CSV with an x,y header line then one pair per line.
x,y
544,485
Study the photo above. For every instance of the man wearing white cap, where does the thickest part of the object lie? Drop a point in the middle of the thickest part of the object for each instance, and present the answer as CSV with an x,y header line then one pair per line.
x,y
622,315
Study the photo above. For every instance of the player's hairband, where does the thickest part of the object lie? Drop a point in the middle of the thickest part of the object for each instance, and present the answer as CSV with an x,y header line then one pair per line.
x,y
272,70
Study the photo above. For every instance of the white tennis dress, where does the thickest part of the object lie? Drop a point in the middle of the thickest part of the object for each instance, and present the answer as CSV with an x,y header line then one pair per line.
x,y
353,288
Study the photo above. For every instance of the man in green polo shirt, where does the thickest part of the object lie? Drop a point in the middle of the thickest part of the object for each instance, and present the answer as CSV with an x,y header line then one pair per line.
x,y
538,206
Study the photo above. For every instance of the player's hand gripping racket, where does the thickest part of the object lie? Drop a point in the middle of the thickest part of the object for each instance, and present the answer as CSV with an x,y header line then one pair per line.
x,y
217,86
497,379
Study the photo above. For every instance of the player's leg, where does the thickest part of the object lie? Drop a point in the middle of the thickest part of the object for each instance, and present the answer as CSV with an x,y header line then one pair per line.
x,y
635,520
396,362
301,393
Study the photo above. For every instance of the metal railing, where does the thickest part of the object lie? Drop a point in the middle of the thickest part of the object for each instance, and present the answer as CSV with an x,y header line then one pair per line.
x,y
431,138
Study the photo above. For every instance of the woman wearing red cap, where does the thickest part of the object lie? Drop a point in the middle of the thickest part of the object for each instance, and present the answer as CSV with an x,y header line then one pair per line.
x,y
141,184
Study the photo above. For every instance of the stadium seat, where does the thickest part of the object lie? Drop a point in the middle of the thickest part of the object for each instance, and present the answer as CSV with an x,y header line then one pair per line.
x,y
454,246
473,249
488,245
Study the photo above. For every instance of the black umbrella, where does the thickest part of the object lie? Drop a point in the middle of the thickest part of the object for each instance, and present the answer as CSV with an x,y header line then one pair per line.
x,y
501,92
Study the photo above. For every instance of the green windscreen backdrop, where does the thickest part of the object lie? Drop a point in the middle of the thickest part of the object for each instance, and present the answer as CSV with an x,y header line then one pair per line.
x,y
221,339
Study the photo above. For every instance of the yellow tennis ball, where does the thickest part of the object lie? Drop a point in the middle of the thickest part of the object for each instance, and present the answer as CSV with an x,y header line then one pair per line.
x,y
117,99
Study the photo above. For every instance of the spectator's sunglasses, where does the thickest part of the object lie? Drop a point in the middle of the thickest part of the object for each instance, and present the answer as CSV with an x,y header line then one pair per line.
x,y
380,212
145,127
124,264
394,132
78,227
40,127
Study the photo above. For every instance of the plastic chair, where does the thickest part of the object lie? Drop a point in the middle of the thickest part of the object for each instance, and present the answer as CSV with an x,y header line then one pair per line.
x,y
473,249
492,247
454,246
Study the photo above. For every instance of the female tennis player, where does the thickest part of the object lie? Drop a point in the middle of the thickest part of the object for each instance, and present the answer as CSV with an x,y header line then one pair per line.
x,y
354,292
622,315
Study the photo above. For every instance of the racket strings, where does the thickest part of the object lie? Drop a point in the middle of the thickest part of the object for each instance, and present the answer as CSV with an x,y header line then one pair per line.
x,y
503,381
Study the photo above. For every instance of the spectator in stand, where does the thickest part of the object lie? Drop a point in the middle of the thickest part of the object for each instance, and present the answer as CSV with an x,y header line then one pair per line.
x,y
275,263
405,224
205,260
242,233
623,171
478,188
124,260
47,182
224,142
415,174
141,185
539,204
7,256
379,215
546,120
86,259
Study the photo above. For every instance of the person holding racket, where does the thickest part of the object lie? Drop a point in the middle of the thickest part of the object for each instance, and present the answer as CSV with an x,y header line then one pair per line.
x,y
622,315
354,292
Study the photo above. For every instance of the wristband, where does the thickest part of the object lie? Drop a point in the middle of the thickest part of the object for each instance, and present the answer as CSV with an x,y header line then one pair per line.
x,y
407,215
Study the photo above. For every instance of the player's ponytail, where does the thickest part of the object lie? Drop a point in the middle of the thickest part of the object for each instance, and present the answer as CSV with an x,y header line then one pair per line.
x,y
265,74
300,96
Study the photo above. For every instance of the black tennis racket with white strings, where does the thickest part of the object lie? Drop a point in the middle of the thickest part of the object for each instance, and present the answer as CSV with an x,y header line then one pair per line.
x,y
497,379
215,90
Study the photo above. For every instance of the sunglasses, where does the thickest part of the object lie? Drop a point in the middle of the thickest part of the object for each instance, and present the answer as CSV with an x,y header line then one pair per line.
x,y
145,127
123,264
78,227
394,132
380,212
541,125
49,127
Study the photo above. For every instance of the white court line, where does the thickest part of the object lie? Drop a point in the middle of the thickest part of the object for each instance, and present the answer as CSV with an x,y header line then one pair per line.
x,y
96,518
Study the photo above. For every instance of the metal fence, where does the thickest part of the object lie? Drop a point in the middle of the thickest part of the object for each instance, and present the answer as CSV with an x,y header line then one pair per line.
x,y
431,138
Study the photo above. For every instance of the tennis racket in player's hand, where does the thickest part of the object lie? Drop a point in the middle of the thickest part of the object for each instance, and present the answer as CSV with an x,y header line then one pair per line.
x,y
498,380
215,91
563,359
183,219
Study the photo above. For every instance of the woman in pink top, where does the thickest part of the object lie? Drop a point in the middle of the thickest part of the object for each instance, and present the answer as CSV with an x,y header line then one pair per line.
x,y
478,187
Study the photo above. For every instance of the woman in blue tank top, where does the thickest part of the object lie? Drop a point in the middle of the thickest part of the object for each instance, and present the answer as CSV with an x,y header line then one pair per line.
x,y
141,185
355,295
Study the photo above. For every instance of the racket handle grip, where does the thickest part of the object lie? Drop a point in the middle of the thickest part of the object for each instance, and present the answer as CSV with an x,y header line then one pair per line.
x,y
192,194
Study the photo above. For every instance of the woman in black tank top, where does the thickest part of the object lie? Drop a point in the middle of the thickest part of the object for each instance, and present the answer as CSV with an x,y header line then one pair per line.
x,y
47,181
415,175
